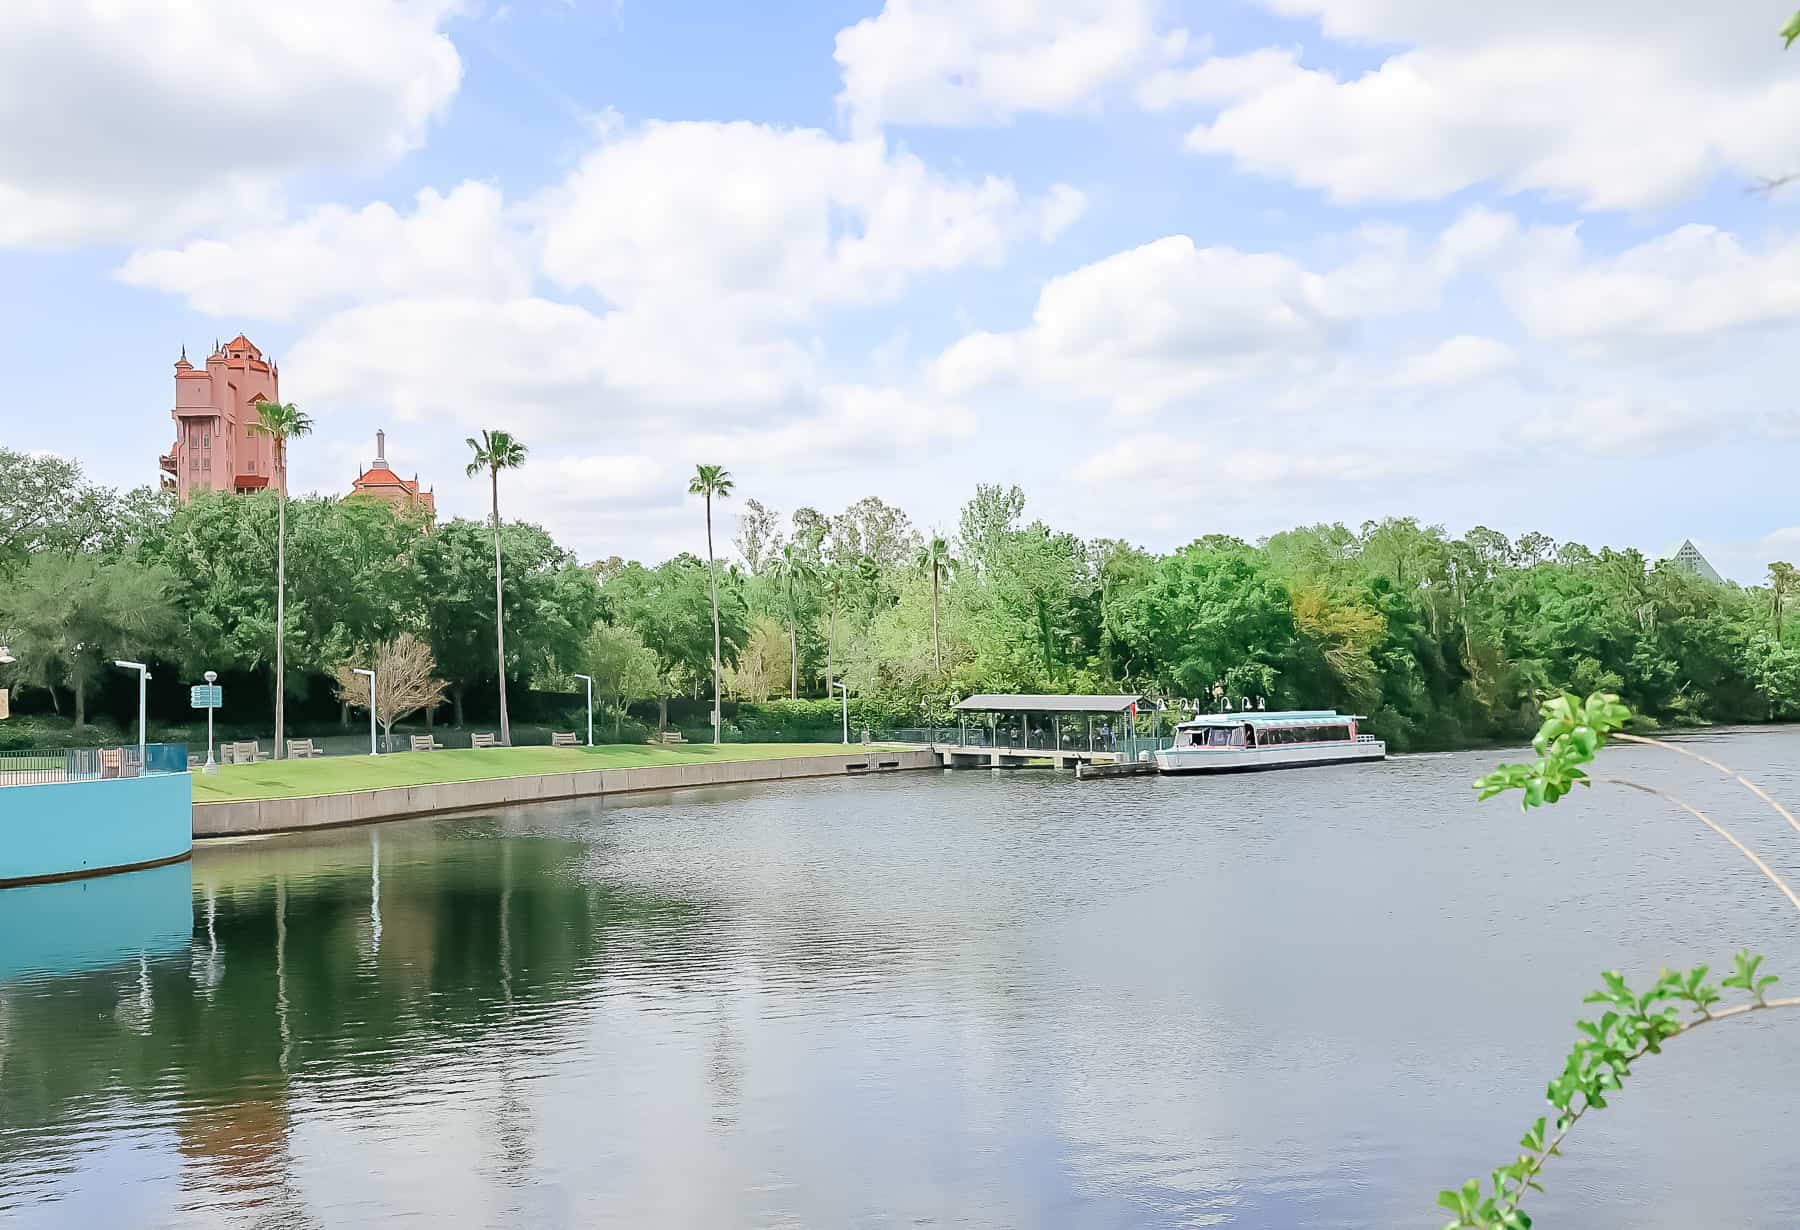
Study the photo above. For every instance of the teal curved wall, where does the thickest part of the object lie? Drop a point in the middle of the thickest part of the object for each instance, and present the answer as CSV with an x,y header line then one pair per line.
x,y
84,828
55,929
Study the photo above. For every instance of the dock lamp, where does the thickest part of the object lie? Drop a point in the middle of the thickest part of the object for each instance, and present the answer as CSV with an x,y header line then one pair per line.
x,y
844,690
590,696
6,658
371,674
143,693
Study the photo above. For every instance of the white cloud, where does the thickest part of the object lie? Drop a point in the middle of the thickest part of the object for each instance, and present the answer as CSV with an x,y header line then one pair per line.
x,y
1152,324
449,245
1692,284
545,366
770,222
852,423
1168,320
609,477
961,62
1189,458
1461,360
1621,426
1613,104
134,120
1221,79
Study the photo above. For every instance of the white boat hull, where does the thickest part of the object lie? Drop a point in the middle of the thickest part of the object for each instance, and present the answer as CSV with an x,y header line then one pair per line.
x,y
1253,759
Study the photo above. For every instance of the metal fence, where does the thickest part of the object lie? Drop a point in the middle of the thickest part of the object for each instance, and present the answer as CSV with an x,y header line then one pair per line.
x,y
91,764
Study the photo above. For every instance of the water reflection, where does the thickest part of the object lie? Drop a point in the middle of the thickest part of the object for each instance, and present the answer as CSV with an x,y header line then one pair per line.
x,y
985,1000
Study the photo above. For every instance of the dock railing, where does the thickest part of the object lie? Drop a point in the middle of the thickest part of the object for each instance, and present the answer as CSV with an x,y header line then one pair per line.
x,y
32,767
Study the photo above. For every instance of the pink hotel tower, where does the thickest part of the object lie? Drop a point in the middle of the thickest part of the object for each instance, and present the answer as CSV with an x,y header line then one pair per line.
x,y
215,450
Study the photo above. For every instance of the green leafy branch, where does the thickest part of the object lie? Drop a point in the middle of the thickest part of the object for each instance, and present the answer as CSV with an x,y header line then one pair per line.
x,y
1791,31
1634,1023
1573,733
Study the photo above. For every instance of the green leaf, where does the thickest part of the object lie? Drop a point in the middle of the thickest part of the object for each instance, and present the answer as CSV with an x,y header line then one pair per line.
x,y
1791,31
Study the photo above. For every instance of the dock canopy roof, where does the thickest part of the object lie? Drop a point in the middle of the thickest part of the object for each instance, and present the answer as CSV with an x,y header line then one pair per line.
x,y
1002,703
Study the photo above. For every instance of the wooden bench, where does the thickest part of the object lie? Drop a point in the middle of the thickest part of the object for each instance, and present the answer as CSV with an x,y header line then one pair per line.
x,y
671,736
425,743
112,762
249,751
303,749
483,740
559,739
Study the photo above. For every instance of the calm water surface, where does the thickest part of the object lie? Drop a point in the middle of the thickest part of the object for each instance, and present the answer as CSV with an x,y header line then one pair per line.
x,y
987,999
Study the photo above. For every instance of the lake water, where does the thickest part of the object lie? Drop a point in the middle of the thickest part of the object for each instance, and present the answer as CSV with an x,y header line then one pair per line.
x,y
985,999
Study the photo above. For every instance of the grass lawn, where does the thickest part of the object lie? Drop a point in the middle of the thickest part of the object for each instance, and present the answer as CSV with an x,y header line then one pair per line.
x,y
289,779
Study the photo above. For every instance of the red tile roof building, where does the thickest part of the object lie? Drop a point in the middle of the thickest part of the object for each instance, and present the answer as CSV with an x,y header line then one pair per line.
x,y
381,483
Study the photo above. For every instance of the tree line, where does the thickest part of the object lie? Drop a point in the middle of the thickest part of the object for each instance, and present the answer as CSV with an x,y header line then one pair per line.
x,y
1441,640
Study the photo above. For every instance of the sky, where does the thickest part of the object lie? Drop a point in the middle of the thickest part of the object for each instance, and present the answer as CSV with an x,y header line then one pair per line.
x,y
1173,267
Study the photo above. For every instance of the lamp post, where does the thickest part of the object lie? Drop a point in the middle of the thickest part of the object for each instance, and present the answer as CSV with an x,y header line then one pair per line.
x,y
844,689
143,692
590,698
371,674
211,678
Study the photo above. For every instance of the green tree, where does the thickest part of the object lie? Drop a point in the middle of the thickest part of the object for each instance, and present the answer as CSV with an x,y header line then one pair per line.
x,y
832,586
986,521
934,561
496,451
47,504
1781,584
623,667
549,602
281,423
671,609
712,482
71,615
798,580
758,539
1212,613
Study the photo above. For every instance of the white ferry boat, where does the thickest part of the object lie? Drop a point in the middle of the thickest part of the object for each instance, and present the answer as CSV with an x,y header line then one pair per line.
x,y
1243,742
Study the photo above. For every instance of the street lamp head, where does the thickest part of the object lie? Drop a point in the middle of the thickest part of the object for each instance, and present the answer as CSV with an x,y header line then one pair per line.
x,y
6,658
211,676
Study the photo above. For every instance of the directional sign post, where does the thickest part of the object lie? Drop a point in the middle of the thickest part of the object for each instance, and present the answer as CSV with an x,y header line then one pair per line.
x,y
208,696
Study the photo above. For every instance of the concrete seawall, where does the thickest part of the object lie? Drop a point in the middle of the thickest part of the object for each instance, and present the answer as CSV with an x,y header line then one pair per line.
x,y
361,807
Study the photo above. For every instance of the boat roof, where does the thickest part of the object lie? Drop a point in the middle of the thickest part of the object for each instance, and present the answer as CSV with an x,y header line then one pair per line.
x,y
1283,717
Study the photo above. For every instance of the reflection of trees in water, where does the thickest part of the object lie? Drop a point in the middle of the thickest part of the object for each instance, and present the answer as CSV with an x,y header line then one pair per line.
x,y
478,938
355,970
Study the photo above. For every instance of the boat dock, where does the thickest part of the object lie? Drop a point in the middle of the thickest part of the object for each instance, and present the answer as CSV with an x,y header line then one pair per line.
x,y
1123,768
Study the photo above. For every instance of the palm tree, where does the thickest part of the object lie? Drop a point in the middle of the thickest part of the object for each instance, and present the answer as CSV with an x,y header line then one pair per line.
x,y
834,592
934,559
798,577
494,452
711,482
1781,584
281,424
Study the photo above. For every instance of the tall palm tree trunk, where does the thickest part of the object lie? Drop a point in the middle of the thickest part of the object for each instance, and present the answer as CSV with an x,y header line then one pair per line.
x,y
281,613
937,646
712,571
794,659
831,652
500,614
